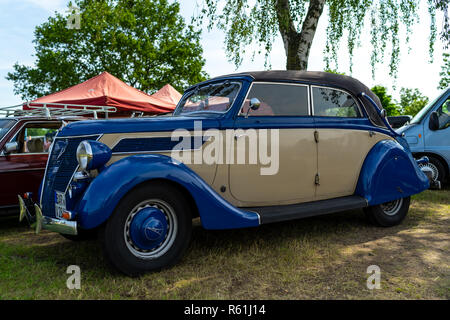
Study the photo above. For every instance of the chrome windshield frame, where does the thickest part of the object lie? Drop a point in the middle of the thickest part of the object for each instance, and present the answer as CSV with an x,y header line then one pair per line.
x,y
178,109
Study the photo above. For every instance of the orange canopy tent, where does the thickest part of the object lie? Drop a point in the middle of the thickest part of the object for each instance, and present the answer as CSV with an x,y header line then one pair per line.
x,y
168,94
107,90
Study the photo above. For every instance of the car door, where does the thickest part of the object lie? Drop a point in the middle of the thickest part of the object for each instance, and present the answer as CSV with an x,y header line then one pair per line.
x,y
22,170
345,137
438,141
280,136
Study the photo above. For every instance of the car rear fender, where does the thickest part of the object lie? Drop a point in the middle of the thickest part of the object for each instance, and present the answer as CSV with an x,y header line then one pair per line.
x,y
389,172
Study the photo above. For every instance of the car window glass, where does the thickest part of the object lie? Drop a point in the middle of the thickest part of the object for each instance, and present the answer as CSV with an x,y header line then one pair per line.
x,y
35,138
278,100
5,126
444,115
213,98
334,103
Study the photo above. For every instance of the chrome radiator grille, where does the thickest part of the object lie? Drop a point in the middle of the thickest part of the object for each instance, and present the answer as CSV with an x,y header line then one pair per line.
x,y
61,165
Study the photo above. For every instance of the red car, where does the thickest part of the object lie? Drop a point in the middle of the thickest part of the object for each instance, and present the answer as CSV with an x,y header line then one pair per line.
x,y
26,135
24,146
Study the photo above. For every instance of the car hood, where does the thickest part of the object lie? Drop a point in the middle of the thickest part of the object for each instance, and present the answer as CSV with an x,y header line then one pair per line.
x,y
405,128
153,124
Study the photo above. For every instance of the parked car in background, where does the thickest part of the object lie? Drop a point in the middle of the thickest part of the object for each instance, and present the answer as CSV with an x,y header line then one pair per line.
x,y
398,121
331,149
428,134
25,141
24,151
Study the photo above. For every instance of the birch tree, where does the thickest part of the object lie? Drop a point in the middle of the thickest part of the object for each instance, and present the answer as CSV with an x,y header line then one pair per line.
x,y
247,22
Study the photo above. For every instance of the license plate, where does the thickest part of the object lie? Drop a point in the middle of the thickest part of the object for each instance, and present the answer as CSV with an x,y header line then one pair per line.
x,y
60,203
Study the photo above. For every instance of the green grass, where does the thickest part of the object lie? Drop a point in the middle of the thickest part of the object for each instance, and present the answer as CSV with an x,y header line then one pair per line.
x,y
318,258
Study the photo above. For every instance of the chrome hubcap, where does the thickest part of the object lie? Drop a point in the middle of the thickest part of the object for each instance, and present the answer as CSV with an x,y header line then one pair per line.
x,y
433,168
392,208
150,229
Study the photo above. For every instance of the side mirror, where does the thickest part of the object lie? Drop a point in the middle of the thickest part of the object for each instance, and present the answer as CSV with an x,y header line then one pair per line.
x,y
433,124
11,147
383,113
254,105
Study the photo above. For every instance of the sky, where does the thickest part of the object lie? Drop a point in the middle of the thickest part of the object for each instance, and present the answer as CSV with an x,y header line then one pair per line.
x,y
18,19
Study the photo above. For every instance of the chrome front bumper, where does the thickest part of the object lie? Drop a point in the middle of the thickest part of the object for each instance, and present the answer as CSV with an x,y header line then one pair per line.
x,y
39,221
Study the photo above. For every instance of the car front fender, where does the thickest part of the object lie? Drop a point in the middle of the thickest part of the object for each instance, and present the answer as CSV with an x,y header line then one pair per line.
x,y
114,182
390,172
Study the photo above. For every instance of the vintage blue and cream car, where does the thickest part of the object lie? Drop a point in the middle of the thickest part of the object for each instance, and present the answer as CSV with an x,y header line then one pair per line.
x,y
239,151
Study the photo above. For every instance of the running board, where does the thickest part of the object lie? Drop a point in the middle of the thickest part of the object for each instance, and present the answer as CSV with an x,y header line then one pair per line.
x,y
307,209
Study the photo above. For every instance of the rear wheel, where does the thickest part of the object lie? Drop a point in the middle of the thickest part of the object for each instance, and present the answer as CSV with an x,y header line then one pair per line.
x,y
149,230
388,214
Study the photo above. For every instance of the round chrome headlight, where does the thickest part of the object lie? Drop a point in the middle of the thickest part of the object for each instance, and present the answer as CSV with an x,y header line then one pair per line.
x,y
93,155
84,155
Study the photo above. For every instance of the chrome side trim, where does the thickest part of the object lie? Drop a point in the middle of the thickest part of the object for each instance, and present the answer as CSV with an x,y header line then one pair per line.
x,y
25,154
259,217
21,170
124,137
80,136
146,152
205,140
150,152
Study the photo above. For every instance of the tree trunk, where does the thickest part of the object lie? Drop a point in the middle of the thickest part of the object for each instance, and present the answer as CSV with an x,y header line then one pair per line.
x,y
298,44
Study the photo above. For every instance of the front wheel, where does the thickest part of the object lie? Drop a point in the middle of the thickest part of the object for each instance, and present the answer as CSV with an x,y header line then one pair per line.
x,y
149,230
388,214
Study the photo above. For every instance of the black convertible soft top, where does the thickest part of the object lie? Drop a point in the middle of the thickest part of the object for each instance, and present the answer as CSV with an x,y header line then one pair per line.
x,y
321,78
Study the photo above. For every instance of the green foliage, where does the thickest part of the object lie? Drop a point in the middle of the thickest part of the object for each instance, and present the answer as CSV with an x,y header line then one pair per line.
x,y
386,100
334,71
259,22
38,132
412,101
144,43
244,24
445,73
35,132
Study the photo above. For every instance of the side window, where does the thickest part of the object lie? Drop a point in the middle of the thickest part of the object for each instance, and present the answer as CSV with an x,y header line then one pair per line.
x,y
444,115
334,103
36,138
278,100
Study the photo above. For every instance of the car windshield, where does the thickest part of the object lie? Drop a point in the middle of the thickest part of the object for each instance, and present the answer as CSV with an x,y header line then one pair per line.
x,y
5,125
215,98
422,113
